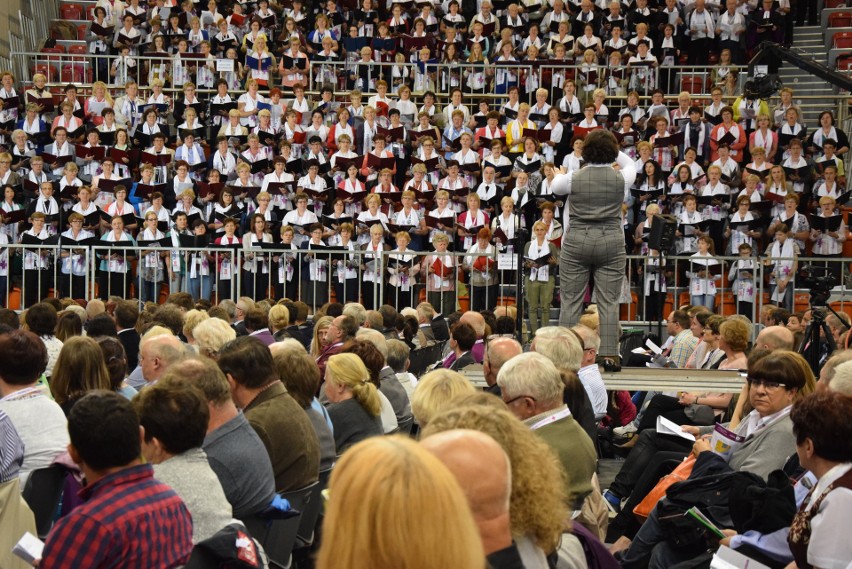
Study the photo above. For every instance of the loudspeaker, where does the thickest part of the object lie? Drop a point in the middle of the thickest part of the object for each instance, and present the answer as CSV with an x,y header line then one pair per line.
x,y
662,235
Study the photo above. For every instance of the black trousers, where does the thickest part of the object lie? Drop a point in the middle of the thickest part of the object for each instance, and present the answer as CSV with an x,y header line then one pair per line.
x,y
640,458
657,465
113,284
36,284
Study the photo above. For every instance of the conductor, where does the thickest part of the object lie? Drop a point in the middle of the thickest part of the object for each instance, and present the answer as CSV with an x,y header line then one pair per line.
x,y
594,242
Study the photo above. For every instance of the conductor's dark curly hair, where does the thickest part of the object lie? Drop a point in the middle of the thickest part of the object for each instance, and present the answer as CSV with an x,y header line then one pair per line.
x,y
600,147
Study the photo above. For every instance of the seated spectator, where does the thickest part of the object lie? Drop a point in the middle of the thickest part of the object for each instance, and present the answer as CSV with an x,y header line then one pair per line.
x,y
537,501
39,420
300,376
174,421
589,372
230,443
420,483
354,405
211,335
122,500
17,518
41,321
532,389
281,424
398,352
435,392
497,352
80,368
484,473
389,385
776,381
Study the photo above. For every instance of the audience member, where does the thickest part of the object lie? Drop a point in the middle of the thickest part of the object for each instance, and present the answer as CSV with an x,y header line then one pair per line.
x,y
279,421
532,389
234,451
39,420
395,466
174,421
354,405
122,500
300,376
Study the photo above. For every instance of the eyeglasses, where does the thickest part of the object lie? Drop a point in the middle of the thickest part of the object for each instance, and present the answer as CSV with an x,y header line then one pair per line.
x,y
768,385
510,401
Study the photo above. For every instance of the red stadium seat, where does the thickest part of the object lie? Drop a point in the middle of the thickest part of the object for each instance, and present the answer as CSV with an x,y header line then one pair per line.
x,y
78,50
843,40
71,11
693,85
48,71
73,74
82,30
844,63
90,13
836,3
840,20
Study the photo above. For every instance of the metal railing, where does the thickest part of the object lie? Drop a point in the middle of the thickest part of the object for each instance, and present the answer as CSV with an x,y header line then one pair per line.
x,y
129,270
63,68
28,273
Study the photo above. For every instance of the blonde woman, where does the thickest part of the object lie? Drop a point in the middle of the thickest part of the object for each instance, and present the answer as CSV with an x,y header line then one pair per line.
x,y
99,101
436,392
370,473
319,343
355,407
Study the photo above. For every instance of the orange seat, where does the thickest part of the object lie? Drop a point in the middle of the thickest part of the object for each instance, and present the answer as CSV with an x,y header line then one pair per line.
x,y
14,301
628,311
71,11
667,305
843,40
728,306
506,301
842,307
683,299
840,20
801,301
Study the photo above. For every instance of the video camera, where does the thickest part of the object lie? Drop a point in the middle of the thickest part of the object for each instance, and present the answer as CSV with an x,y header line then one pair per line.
x,y
820,281
761,87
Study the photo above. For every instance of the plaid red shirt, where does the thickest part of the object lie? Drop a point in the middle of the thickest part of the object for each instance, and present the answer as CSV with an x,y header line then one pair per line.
x,y
128,520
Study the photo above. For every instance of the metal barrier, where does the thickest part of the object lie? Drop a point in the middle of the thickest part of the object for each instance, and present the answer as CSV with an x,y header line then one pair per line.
x,y
29,273
79,69
130,270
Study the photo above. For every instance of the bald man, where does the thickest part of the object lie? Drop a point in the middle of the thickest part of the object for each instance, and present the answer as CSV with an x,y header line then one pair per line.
x,y
156,354
476,320
484,473
774,338
498,352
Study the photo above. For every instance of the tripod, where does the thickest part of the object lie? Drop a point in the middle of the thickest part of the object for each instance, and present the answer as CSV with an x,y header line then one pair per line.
x,y
811,342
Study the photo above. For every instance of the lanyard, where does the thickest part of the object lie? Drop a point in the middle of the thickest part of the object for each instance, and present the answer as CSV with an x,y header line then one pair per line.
x,y
551,419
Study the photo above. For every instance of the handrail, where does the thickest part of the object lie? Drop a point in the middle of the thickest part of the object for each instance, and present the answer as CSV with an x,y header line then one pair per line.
x,y
24,60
